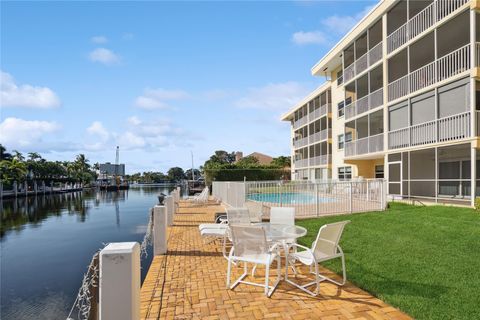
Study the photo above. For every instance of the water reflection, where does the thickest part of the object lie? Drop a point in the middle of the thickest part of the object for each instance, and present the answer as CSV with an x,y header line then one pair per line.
x,y
47,241
16,214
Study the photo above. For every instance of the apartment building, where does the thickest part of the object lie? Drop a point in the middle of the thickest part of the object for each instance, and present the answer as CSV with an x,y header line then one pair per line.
x,y
401,102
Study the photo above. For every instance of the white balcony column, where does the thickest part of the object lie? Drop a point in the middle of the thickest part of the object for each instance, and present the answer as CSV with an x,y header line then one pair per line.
x,y
473,173
119,293
473,118
385,83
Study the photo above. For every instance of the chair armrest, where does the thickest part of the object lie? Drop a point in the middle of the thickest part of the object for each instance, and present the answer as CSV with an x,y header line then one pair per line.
x,y
298,246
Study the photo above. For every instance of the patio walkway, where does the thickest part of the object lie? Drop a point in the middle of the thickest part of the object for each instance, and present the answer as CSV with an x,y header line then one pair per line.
x,y
189,283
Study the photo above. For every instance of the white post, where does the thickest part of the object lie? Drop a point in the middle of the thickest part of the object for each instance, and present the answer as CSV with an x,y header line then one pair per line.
x,y
170,208
159,230
179,193
120,281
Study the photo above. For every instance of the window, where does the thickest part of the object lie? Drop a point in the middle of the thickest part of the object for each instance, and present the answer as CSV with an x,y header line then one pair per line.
x,y
340,77
348,136
341,141
379,172
344,173
341,109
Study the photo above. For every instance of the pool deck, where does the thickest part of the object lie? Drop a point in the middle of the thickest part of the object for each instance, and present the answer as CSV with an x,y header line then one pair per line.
x,y
189,283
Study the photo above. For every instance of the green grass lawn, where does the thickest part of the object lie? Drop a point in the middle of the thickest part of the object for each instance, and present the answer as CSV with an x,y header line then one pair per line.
x,y
423,260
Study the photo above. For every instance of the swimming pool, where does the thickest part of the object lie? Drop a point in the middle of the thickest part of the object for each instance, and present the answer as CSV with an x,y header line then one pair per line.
x,y
287,198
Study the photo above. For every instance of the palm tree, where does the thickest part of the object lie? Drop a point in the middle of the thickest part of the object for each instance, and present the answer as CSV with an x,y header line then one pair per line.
x,y
34,156
18,155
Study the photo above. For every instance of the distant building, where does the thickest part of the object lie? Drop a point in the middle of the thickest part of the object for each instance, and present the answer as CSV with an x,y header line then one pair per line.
x,y
262,158
109,169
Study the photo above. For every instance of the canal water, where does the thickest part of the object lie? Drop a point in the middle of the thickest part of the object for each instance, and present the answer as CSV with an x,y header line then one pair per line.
x,y
48,241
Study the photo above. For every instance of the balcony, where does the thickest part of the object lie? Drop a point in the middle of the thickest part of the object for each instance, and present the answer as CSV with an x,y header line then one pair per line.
x,y
300,122
422,21
445,67
450,128
365,145
320,136
301,163
368,102
320,112
300,142
320,160
363,63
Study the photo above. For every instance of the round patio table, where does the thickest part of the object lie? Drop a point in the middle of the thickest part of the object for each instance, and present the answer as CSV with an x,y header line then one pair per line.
x,y
278,232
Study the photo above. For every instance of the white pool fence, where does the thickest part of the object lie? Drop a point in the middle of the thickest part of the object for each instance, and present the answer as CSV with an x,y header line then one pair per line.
x,y
310,198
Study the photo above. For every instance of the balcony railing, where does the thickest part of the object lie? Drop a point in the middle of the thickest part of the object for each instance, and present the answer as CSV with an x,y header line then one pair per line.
x,y
320,112
365,145
300,122
440,130
444,67
363,63
320,160
301,142
368,102
301,163
426,18
320,136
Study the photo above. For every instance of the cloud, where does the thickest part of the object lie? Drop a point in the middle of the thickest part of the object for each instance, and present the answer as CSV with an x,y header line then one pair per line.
x,y
97,129
20,133
105,56
333,27
153,99
342,24
274,96
310,37
99,39
130,140
25,95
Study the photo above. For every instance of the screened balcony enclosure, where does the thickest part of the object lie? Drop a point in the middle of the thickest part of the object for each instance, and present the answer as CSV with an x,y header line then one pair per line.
x,y
435,116
434,57
442,174
366,93
366,133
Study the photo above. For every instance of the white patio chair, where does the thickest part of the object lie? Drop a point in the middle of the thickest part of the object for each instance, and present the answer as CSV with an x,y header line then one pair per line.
x,y
250,246
324,248
284,215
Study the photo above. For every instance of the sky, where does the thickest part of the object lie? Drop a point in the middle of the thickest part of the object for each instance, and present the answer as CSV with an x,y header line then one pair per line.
x,y
161,80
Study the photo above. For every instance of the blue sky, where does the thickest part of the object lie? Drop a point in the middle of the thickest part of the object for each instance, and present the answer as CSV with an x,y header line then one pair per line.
x,y
160,79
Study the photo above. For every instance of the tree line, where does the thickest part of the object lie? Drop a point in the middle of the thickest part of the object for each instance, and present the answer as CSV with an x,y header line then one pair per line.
x,y
14,166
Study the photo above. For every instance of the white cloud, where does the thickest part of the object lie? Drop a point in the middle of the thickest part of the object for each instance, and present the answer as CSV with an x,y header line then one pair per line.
x,y
99,39
310,37
274,96
20,133
130,140
343,24
334,26
97,129
25,95
105,56
158,98
134,121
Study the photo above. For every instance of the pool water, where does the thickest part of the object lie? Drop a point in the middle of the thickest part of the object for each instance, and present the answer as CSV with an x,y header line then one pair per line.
x,y
287,198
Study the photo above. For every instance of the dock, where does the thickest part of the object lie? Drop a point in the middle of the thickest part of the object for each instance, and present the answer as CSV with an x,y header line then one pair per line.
x,y
189,283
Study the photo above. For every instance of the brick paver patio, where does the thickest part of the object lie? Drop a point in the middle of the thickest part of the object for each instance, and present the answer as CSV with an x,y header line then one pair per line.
x,y
189,283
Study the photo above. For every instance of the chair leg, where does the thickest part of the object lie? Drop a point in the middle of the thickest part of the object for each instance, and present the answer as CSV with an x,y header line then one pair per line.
x,y
229,268
317,280
253,270
267,273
